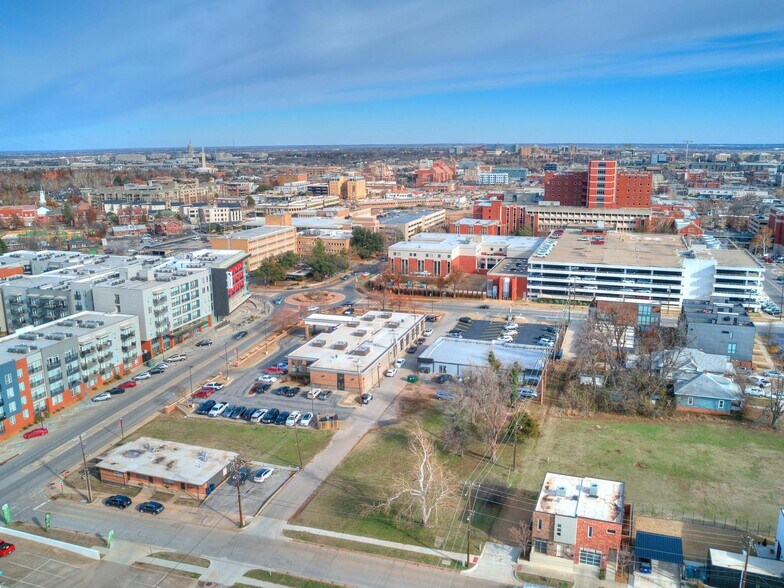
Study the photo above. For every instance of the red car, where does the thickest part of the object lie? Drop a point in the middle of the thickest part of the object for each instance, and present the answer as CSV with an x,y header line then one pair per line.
x,y
204,393
39,432
128,384
6,548
275,370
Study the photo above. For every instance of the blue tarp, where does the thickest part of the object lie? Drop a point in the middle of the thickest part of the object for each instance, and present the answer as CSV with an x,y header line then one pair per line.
x,y
658,547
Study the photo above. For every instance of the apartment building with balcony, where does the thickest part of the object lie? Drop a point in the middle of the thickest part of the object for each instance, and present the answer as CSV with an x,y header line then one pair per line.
x,y
172,304
48,367
660,268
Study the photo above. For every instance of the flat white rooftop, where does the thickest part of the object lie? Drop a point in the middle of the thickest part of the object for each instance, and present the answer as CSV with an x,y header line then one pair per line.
x,y
570,496
168,460
473,352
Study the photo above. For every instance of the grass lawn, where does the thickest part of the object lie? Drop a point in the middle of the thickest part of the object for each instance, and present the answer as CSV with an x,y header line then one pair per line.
x,y
705,467
287,579
255,442
182,558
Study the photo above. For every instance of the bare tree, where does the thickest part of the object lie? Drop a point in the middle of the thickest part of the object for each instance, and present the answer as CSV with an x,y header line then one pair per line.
x,y
486,400
762,240
521,534
425,487
774,403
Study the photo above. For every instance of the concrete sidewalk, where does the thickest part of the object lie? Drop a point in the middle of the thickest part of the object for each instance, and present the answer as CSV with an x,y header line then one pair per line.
x,y
380,542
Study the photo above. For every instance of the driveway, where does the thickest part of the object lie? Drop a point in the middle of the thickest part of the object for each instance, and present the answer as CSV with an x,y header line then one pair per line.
x,y
224,499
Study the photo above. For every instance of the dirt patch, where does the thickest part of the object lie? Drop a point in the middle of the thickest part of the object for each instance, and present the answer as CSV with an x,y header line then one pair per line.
x,y
83,539
159,496
642,466
314,297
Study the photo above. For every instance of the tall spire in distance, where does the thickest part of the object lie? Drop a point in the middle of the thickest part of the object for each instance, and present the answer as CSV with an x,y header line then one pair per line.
x,y
42,197
203,159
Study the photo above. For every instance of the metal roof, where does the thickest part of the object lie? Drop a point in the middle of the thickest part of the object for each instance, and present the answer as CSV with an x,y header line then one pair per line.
x,y
659,547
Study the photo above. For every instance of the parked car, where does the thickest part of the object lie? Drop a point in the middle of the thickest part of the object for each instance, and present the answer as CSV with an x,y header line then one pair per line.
x,y
465,320
400,362
157,370
525,393
241,476
759,381
431,318
217,409
203,393
455,333
444,395
259,388
204,343
484,307
428,332
37,432
237,412
306,420
644,565
151,507
214,385
229,409
275,370
118,501
411,349
282,418
773,374
365,398
349,311
293,418
277,300
325,395
390,372
116,390
754,391
142,376
442,378
240,335
263,474
314,392
280,390
267,379
178,357
6,548
257,415
270,416
101,397
128,384
162,365
205,407
292,392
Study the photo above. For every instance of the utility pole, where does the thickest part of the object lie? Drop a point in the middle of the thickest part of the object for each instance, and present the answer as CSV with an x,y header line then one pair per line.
x,y
468,533
745,563
299,452
514,450
239,495
86,471
190,377
226,355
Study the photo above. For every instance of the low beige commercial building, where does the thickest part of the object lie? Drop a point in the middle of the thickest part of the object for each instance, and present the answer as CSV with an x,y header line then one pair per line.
x,y
260,243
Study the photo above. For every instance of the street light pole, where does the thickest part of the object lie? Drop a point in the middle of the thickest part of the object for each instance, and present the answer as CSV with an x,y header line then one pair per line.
x,y
86,471
226,355
190,377
299,451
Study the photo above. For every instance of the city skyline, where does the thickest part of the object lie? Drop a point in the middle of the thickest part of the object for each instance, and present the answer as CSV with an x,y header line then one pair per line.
x,y
397,73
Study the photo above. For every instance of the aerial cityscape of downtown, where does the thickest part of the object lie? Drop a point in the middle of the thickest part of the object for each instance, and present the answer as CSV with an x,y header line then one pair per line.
x,y
391,294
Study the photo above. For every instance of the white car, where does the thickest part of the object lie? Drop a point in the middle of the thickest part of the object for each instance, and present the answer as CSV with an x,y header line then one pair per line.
x,y
293,419
101,397
510,327
214,386
312,393
218,409
258,415
306,420
263,474
267,379
400,362
178,357
390,372
773,374
162,366
142,376
759,381
428,332
312,308
754,391
506,339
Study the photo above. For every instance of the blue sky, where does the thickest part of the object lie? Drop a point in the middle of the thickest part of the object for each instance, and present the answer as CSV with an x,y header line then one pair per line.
x,y
83,74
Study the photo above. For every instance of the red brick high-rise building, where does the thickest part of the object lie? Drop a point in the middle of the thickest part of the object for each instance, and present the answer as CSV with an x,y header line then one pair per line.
x,y
602,186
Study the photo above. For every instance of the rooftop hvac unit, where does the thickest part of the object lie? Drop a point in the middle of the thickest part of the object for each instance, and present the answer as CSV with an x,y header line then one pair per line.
x,y
28,336
353,323
55,336
560,491
593,490
392,324
368,317
361,350
318,343
359,333
385,315
340,345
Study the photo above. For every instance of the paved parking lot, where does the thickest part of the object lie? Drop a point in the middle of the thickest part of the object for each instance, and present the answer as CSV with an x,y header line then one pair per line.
x,y
224,499
527,333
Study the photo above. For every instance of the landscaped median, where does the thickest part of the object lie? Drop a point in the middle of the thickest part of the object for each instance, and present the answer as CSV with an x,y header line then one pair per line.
x,y
262,443
285,580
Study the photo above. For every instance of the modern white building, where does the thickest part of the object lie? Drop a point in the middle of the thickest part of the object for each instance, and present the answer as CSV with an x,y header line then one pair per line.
x,y
659,268
493,178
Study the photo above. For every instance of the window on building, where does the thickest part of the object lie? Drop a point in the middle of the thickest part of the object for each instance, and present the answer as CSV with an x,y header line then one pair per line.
x,y
540,546
539,524
8,379
721,404
558,530
590,531
690,401
732,348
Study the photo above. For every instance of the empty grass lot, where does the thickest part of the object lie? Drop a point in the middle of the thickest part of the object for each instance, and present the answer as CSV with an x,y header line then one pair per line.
x,y
266,443
710,468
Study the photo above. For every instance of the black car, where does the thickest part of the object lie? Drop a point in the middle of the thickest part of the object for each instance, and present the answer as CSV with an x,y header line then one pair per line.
x,y
240,334
204,343
421,341
229,409
117,390
280,390
157,370
431,318
551,329
270,416
281,418
240,476
292,392
237,412
245,416
205,407
151,507
325,394
465,320
259,388
484,306
119,501
349,311
411,349
455,333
